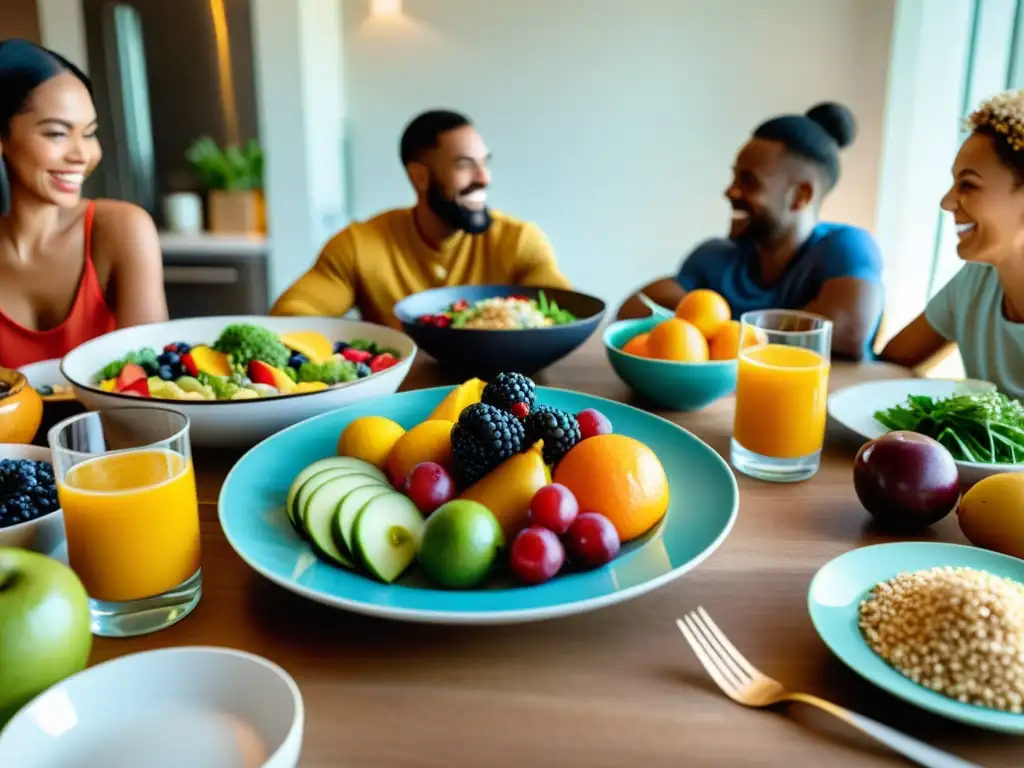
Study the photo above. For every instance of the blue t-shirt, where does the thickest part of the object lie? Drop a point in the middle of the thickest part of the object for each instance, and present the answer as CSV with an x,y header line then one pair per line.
x,y
731,267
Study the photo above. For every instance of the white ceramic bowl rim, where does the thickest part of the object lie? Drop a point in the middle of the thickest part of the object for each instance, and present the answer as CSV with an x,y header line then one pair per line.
x,y
298,714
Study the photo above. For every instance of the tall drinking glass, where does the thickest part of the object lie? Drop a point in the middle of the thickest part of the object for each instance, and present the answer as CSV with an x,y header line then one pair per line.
x,y
781,392
131,515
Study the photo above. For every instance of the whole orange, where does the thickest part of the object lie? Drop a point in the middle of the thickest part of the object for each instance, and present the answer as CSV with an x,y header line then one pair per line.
x,y
725,345
637,345
678,340
619,477
706,309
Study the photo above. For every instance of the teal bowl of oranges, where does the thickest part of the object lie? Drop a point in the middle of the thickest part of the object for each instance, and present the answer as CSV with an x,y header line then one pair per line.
x,y
683,361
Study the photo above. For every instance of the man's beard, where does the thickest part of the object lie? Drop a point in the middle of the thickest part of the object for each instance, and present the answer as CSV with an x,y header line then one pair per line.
x,y
759,228
472,221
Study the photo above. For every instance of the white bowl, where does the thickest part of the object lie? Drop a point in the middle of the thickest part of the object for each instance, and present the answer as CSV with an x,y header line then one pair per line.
x,y
854,408
44,534
47,373
197,707
237,423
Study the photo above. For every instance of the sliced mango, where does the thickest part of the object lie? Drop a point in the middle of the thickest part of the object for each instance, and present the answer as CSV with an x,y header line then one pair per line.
x,y
107,385
460,398
312,344
508,489
309,386
203,359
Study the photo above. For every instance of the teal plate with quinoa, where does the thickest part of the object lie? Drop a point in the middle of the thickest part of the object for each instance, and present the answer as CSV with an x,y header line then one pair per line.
x,y
834,602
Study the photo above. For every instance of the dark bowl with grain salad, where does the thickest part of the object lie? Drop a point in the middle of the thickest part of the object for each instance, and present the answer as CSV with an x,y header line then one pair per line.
x,y
479,330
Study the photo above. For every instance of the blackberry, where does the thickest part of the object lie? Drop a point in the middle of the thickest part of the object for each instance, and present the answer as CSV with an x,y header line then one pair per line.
x,y
483,438
559,430
511,392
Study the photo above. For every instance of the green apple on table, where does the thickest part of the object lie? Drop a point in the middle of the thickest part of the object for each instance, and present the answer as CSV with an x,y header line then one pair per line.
x,y
44,626
460,543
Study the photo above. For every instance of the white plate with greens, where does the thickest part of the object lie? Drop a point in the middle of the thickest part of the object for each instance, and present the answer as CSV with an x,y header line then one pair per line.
x,y
983,429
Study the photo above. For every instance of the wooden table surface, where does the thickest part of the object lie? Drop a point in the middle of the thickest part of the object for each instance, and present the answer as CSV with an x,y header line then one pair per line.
x,y
616,687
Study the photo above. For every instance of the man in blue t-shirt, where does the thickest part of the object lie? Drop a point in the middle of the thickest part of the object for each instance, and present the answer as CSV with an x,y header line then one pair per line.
x,y
778,254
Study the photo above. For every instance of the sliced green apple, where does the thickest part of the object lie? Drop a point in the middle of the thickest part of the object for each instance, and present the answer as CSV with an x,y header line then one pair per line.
x,y
386,534
321,507
333,462
348,510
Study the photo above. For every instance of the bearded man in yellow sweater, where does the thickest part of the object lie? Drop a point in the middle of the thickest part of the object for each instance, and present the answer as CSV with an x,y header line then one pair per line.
x,y
450,237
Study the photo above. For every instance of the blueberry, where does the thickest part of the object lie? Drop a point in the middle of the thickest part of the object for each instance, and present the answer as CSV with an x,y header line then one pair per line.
x,y
165,372
183,347
150,367
362,370
45,390
340,346
297,359
169,358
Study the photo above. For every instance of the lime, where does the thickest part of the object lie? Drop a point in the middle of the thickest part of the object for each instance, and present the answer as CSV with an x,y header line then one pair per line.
x,y
460,543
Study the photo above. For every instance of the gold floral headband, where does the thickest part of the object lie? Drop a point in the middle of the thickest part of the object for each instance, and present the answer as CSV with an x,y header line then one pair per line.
x,y
1003,113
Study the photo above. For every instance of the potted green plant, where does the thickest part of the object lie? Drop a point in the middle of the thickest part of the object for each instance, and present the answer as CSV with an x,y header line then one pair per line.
x,y
233,180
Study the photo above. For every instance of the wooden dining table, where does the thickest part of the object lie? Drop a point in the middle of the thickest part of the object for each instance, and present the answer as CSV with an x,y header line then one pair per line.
x,y
614,687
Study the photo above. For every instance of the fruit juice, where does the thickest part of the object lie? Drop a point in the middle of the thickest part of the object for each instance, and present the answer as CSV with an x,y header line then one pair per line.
x,y
132,523
781,394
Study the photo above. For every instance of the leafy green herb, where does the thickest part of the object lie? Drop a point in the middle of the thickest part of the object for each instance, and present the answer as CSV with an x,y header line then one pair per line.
x,y
987,428
551,309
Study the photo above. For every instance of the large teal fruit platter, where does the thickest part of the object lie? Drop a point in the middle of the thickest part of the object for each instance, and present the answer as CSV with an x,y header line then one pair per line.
x,y
484,503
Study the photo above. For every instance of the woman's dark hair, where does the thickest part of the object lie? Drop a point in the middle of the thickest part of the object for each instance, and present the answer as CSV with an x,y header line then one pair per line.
x,y
1012,158
24,66
816,136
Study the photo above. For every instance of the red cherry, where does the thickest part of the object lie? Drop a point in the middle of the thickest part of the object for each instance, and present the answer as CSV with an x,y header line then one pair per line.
x,y
592,423
554,507
442,321
382,362
426,319
520,410
592,540
536,555
429,486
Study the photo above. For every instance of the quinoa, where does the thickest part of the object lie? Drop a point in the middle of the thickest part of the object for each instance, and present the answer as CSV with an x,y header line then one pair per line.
x,y
957,631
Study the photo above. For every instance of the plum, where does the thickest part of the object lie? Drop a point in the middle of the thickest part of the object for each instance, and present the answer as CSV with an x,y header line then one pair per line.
x,y
906,480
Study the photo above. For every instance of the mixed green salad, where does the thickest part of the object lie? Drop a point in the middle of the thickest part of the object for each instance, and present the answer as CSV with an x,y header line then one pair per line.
x,y
986,428
501,313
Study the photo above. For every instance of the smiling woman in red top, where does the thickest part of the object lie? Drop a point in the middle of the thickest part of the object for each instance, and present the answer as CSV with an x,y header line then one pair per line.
x,y
70,269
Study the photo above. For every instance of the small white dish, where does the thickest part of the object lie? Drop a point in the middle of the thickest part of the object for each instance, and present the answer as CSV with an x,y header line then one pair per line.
x,y
44,534
854,408
199,707
47,374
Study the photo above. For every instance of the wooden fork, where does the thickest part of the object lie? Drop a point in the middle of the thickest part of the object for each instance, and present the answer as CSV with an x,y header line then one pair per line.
x,y
746,685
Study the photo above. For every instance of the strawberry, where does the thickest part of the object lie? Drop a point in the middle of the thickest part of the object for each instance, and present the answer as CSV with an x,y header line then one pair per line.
x,y
382,361
442,321
128,375
460,306
356,355
138,388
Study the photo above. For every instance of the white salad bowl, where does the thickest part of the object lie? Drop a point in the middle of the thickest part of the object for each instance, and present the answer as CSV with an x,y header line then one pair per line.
x,y
237,423
198,707
45,534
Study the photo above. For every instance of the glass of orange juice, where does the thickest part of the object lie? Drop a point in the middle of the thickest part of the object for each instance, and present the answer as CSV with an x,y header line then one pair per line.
x,y
127,488
781,392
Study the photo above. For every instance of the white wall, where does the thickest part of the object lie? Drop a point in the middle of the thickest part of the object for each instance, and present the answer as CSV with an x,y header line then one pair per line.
x,y
613,124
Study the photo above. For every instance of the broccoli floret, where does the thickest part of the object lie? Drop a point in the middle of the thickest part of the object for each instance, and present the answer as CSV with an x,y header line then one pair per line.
x,y
138,357
244,343
333,371
223,389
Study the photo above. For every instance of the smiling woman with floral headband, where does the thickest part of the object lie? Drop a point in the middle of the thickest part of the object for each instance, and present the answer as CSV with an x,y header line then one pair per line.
x,y
981,310
70,269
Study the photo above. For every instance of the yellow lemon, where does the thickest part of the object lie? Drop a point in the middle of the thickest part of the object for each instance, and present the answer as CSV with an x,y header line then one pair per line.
x,y
371,439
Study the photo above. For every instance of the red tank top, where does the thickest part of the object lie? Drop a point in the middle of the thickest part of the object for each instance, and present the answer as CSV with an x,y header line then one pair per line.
x,y
89,317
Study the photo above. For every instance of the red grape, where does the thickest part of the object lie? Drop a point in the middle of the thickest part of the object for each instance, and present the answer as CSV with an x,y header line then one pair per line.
x,y
554,507
592,540
592,423
429,486
536,555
